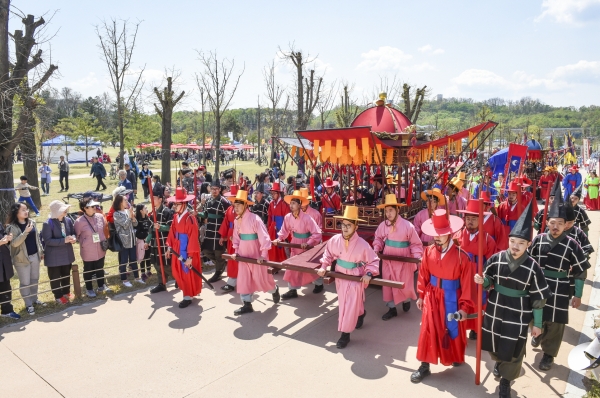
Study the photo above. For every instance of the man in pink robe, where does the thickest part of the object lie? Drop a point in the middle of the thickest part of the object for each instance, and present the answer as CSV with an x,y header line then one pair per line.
x,y
433,198
455,201
305,232
353,256
311,211
251,239
397,237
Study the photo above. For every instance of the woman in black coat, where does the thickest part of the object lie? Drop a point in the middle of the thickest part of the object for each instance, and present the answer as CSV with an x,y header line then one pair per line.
x,y
6,272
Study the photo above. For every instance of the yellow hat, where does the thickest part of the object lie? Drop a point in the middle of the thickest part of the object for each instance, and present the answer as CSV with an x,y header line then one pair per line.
x,y
296,195
350,213
434,192
390,200
242,196
462,176
304,193
390,180
457,183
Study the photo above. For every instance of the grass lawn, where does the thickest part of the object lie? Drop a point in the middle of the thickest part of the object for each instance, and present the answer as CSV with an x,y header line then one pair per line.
x,y
249,168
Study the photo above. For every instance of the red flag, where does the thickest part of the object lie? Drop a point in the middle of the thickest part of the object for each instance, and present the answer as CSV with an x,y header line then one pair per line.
x,y
515,160
312,187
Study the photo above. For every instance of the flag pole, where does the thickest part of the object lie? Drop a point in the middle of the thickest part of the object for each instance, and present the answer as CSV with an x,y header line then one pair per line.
x,y
480,241
157,235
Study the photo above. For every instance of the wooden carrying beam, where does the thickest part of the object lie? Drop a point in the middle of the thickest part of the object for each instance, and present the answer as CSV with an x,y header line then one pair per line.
x,y
379,282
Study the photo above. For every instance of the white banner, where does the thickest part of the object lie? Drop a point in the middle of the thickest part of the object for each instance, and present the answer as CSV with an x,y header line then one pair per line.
x,y
585,151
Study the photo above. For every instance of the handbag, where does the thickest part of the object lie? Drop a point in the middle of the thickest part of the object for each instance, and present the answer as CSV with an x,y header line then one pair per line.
x,y
114,242
104,245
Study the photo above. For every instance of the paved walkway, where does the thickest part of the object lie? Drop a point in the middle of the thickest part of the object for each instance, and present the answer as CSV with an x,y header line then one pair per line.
x,y
142,345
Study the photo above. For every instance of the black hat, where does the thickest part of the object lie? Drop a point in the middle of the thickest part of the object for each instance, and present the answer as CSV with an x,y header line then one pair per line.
x,y
523,227
577,193
557,208
158,190
555,188
216,183
569,212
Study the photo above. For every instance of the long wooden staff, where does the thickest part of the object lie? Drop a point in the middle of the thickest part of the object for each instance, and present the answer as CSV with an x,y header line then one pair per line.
x,y
480,240
157,235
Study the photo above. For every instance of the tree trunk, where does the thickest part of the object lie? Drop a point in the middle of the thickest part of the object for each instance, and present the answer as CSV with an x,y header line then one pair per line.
x,y
167,116
26,127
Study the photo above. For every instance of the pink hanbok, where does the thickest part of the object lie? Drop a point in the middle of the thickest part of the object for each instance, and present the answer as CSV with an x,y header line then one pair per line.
x,y
252,277
302,229
388,238
315,215
419,219
464,193
458,203
351,295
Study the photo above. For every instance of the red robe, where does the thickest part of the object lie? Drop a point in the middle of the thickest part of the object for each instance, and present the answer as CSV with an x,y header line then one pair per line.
x,y
546,183
328,201
508,215
494,227
276,210
435,342
183,238
226,231
472,248
526,198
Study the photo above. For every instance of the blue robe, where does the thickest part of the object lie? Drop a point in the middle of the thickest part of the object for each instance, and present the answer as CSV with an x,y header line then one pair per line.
x,y
570,183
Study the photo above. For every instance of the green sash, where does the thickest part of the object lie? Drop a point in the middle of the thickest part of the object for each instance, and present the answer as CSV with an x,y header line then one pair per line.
x,y
506,291
298,235
212,215
248,236
346,264
397,243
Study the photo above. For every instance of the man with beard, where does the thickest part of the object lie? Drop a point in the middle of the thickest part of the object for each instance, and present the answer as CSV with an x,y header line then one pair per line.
x,y
561,259
433,198
397,237
519,293
304,232
164,218
251,239
353,256
444,287
213,215
468,240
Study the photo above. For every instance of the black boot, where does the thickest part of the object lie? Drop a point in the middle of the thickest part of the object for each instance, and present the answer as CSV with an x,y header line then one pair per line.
x,y
361,320
176,285
406,306
392,312
496,371
546,362
158,288
227,288
318,289
504,388
535,341
276,295
472,335
421,373
184,303
216,277
343,341
245,309
290,294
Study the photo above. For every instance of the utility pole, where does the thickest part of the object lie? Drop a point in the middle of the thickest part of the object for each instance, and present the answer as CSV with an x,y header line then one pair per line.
x,y
258,129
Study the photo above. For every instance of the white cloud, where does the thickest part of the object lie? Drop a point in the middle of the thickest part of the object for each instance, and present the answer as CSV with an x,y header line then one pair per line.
x,y
570,11
384,58
428,49
481,78
422,67
85,83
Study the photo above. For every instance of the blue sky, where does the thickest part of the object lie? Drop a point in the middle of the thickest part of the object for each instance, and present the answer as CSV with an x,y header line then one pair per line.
x,y
480,49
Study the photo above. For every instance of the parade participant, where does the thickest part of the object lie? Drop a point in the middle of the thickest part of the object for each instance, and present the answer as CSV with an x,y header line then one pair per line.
x,y
226,232
433,198
305,232
397,237
377,188
581,218
545,182
353,256
183,238
519,293
312,212
277,211
561,258
492,224
251,239
455,202
527,196
571,182
463,192
575,232
261,206
212,215
539,217
164,218
500,185
443,289
591,200
331,201
508,211
468,239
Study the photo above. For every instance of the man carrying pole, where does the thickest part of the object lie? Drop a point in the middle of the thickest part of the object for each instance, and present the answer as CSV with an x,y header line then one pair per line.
x,y
226,232
353,256
312,212
162,217
305,232
213,214
518,295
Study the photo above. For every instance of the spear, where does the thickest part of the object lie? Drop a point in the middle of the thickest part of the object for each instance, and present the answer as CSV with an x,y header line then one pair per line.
x,y
157,234
480,240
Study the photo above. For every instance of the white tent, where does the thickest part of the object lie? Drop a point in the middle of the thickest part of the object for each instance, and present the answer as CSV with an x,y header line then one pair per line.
x,y
73,150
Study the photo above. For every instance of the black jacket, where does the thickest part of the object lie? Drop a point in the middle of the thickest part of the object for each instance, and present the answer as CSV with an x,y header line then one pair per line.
x,y
6,266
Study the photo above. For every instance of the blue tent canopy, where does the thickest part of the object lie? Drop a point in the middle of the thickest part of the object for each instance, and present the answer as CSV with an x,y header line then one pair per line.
x,y
533,145
497,162
63,140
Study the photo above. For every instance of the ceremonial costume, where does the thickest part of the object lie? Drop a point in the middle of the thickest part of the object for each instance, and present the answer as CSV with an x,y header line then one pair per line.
x,y
213,215
571,182
456,204
591,200
493,226
581,219
397,239
164,218
424,215
311,211
226,232
353,257
261,209
561,258
251,239
302,229
331,203
183,239
277,211
507,212
581,238
546,182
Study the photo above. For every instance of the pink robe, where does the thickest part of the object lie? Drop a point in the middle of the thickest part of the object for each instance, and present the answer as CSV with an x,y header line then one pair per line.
x,y
252,277
315,215
419,219
304,223
459,203
464,193
351,295
403,231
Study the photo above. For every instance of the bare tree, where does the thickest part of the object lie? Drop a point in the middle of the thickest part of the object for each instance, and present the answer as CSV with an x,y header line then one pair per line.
x,y
117,44
412,109
220,84
168,101
17,84
274,95
325,104
348,108
308,89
